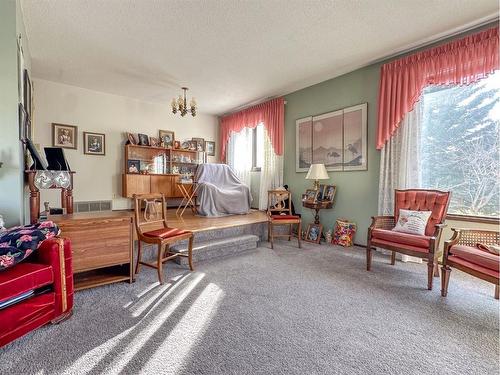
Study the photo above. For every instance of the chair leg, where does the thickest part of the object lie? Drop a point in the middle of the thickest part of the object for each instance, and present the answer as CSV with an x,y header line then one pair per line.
x,y
436,269
497,291
159,264
299,235
271,233
445,280
393,258
368,256
139,257
190,253
290,233
430,272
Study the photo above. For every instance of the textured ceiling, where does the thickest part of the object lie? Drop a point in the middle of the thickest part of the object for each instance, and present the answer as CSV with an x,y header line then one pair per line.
x,y
229,53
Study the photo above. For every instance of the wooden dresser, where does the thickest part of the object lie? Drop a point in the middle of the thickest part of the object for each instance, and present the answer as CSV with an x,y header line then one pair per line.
x,y
102,244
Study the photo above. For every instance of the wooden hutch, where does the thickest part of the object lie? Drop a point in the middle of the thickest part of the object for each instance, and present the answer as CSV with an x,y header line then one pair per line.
x,y
159,170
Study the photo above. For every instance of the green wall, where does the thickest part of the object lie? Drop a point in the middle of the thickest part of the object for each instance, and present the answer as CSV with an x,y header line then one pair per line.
x,y
357,191
11,172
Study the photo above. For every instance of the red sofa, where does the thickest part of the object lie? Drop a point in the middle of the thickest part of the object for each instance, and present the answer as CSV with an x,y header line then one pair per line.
x,y
50,268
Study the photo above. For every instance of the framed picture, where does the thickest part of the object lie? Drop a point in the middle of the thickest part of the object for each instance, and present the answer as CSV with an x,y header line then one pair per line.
x,y
64,136
210,148
355,138
94,143
177,145
143,139
133,166
327,140
329,193
132,138
186,145
27,94
303,144
200,144
311,195
313,233
154,142
321,191
168,138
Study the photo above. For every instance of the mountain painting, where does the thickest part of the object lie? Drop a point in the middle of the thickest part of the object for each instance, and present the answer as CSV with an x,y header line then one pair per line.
x,y
327,140
355,147
303,134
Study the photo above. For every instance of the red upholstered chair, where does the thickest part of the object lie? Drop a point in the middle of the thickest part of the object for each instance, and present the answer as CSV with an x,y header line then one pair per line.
x,y
154,213
280,213
49,273
461,252
381,235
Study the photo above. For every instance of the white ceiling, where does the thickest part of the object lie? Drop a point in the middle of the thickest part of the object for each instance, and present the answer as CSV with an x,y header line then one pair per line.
x,y
228,52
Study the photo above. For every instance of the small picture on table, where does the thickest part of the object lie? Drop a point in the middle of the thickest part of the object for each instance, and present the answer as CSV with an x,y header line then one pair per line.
x,y
321,192
143,139
133,166
154,142
177,145
311,195
313,233
168,138
200,144
329,193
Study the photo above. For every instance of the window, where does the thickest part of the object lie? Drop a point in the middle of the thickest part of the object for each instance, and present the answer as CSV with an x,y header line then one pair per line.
x,y
460,145
258,148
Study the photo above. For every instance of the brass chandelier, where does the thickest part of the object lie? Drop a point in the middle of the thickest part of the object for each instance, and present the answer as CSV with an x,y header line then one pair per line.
x,y
180,104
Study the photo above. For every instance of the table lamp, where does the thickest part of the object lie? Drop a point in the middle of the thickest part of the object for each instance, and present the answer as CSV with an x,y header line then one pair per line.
x,y
317,172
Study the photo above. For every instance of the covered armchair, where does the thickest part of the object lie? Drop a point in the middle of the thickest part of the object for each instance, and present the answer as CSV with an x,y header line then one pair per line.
x,y
466,252
381,235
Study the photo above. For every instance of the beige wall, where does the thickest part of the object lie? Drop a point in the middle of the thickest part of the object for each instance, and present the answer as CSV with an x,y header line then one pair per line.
x,y
99,177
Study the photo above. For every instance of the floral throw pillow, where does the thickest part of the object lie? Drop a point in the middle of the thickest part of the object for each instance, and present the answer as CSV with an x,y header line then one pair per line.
x,y
17,243
413,222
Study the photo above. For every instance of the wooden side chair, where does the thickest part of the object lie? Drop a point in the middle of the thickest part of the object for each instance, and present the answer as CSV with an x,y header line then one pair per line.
x,y
463,253
381,235
148,214
279,212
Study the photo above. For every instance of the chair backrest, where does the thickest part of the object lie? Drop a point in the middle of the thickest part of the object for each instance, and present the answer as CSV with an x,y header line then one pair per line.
x,y
277,202
423,200
149,209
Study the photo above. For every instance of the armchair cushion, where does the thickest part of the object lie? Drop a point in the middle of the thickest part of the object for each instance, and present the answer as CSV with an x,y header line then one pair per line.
x,y
476,256
23,278
423,200
471,266
401,238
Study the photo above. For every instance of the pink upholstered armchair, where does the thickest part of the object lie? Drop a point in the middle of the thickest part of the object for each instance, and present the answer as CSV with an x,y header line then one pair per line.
x,y
381,235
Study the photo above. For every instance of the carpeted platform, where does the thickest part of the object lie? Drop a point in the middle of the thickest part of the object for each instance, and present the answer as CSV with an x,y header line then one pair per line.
x,y
283,311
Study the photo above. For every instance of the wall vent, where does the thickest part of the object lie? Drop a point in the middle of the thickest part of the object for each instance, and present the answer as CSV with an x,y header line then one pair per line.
x,y
92,206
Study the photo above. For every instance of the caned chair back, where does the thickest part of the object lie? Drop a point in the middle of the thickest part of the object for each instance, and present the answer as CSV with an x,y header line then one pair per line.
x,y
423,200
150,209
278,202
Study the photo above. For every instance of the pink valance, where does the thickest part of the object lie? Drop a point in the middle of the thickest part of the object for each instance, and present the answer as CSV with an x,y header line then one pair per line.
x,y
271,114
459,62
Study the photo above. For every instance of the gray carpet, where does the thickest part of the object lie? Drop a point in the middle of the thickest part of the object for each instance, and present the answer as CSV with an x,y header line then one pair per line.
x,y
282,311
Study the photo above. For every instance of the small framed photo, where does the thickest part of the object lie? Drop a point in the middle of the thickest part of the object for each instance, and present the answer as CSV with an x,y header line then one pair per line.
x,y
168,138
200,144
321,192
210,148
154,142
133,166
64,136
311,195
177,145
94,143
313,233
143,139
186,145
132,138
329,193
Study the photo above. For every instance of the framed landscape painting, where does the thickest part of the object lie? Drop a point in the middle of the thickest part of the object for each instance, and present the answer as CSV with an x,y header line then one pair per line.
x,y
303,144
355,138
327,140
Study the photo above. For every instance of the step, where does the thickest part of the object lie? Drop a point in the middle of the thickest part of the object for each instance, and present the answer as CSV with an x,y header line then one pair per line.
x,y
216,248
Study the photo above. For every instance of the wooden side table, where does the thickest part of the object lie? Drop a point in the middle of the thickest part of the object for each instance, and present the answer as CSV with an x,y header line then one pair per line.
x,y
49,180
317,206
187,197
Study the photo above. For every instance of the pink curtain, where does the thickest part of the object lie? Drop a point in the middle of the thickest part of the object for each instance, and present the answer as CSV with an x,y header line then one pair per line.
x,y
459,62
271,114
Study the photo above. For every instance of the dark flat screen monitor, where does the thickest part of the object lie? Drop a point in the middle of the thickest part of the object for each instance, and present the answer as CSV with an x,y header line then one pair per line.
x,y
56,159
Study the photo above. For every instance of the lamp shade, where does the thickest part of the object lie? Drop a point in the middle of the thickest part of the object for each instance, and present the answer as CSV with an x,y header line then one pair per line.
x,y
317,172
